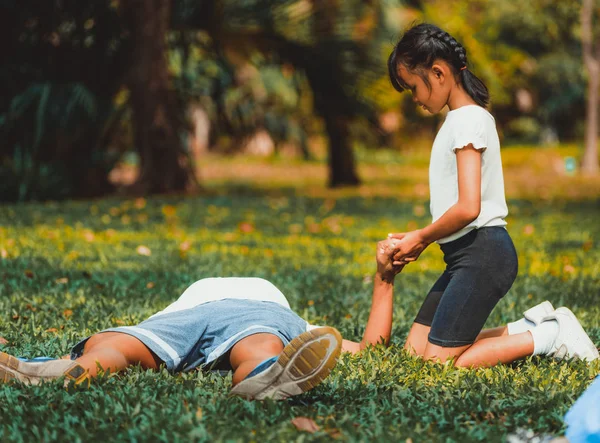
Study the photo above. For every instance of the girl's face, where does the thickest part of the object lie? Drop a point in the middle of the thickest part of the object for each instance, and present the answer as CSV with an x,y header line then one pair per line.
x,y
432,98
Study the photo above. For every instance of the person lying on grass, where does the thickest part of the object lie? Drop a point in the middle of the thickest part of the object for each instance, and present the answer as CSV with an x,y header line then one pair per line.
x,y
240,324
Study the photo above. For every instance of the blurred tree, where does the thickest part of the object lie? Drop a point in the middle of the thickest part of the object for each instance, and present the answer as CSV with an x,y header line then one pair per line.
x,y
157,115
59,70
340,46
260,93
544,33
591,57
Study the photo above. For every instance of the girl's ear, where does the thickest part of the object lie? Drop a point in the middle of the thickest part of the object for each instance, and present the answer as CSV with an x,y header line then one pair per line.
x,y
439,71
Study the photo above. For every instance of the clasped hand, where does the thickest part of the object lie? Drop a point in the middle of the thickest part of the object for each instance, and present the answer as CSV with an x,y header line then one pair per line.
x,y
408,247
385,268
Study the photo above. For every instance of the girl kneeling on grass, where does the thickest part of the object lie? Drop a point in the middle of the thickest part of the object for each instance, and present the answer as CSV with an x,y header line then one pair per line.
x,y
468,208
240,324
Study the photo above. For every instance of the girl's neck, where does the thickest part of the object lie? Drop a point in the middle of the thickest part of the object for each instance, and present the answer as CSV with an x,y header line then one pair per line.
x,y
458,98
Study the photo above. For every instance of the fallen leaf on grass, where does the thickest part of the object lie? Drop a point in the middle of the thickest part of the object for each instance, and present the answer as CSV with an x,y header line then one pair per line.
x,y
334,433
305,424
150,285
67,313
62,280
169,210
246,227
51,330
89,236
139,203
143,250
199,413
3,341
29,273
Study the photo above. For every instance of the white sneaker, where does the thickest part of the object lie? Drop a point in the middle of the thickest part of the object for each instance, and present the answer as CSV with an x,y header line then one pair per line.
x,y
537,314
571,341
32,373
304,363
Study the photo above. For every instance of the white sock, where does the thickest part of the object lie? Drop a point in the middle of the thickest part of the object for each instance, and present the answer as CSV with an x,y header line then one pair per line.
x,y
519,326
544,336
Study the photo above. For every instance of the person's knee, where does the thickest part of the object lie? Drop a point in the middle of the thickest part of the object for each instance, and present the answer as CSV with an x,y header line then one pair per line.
x,y
271,345
94,341
442,354
463,362
116,342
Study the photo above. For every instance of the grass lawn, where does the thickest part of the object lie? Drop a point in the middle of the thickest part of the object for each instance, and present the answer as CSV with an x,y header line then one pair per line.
x,y
71,269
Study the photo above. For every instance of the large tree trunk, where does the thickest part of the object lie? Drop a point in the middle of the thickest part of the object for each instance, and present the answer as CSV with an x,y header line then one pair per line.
x,y
329,98
342,171
591,58
157,115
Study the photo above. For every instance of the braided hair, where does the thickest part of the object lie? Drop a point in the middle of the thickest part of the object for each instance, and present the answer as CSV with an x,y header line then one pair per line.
x,y
421,46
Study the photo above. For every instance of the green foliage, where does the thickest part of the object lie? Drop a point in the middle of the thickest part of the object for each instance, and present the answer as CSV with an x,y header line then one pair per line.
x,y
70,269
61,71
547,33
40,112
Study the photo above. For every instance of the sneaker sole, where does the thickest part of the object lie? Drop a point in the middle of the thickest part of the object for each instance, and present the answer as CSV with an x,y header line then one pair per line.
x,y
583,348
303,364
11,370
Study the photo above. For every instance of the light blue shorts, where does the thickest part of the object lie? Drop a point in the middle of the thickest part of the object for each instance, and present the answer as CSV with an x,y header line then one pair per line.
x,y
199,336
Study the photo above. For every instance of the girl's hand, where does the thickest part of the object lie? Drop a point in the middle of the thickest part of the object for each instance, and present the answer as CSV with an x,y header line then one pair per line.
x,y
408,248
385,268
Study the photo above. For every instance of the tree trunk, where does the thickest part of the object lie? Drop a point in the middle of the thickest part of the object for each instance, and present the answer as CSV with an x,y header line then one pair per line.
x,y
341,158
157,115
591,59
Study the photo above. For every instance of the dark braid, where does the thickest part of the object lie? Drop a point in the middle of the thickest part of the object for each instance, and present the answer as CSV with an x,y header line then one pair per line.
x,y
421,46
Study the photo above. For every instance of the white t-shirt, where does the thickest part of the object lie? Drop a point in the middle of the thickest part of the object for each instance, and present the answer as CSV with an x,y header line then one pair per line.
x,y
468,124
220,288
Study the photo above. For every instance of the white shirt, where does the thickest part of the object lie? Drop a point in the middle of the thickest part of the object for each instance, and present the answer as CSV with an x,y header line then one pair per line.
x,y
468,124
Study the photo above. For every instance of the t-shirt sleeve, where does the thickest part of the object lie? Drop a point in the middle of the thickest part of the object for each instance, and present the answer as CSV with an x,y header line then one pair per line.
x,y
470,131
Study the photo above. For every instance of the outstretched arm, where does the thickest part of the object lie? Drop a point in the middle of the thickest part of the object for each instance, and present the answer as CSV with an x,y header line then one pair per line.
x,y
379,325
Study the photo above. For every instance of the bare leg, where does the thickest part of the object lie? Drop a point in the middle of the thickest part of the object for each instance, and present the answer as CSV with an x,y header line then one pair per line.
x,y
417,341
116,351
491,351
251,351
500,331
485,352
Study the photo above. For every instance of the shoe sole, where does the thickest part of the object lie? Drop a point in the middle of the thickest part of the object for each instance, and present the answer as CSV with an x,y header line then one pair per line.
x,y
303,364
11,370
583,348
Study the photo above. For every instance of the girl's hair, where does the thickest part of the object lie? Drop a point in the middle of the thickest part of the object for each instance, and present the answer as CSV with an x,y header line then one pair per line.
x,y
418,49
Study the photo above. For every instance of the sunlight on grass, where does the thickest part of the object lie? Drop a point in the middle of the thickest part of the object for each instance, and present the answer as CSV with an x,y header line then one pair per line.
x,y
70,269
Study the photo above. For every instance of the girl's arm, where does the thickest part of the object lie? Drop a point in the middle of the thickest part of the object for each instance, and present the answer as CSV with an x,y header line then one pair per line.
x,y
379,325
463,212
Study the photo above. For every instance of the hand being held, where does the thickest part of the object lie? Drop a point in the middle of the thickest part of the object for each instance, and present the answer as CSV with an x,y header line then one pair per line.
x,y
385,268
408,248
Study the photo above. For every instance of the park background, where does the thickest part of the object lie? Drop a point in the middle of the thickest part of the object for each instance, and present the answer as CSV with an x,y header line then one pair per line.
x,y
147,144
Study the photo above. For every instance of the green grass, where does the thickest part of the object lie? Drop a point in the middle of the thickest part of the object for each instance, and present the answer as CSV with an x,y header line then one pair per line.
x,y
71,269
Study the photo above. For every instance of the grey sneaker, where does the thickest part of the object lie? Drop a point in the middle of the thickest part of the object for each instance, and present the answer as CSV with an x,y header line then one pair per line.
x,y
304,363
29,373
571,341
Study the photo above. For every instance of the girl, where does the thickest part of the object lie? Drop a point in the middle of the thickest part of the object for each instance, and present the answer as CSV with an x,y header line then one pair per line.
x,y
240,324
468,208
